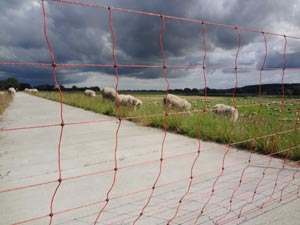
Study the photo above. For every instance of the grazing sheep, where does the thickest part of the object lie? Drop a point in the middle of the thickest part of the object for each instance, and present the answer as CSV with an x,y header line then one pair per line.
x,y
109,94
29,90
12,90
128,100
34,90
177,102
90,93
2,93
134,101
226,110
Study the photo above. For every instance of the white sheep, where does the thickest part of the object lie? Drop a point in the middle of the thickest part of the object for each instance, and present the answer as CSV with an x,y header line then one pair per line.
x,y
12,90
2,93
177,102
34,90
109,94
135,101
128,100
31,90
90,93
226,110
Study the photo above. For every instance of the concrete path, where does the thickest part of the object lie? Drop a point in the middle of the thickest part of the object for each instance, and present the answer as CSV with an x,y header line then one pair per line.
x,y
29,173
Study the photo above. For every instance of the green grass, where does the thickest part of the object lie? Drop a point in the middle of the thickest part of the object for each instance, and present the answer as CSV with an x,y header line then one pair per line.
x,y
4,102
212,128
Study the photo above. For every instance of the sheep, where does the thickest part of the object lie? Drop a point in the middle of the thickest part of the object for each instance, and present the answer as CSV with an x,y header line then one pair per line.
x,y
226,110
177,102
134,101
2,93
109,94
90,93
33,90
12,90
128,100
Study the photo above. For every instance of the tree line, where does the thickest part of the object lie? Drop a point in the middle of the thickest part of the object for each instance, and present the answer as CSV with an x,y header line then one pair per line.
x,y
13,82
266,89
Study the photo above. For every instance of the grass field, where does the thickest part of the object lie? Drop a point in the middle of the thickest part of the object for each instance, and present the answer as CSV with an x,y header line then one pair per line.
x,y
4,102
257,115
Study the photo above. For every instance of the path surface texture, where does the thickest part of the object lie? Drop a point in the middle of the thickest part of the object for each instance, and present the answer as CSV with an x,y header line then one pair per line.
x,y
104,172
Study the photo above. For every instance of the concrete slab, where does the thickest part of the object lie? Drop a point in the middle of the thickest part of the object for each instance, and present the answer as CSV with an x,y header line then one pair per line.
x,y
29,173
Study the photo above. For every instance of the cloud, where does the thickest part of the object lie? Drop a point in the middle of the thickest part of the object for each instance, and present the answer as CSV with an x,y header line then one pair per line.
x,y
83,35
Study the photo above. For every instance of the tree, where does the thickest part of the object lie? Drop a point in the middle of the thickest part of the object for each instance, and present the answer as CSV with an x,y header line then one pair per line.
x,y
45,87
95,88
195,91
12,82
24,85
289,92
2,85
187,90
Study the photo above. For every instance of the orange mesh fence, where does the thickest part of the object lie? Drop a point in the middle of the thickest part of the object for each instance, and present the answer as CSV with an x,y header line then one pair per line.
x,y
249,192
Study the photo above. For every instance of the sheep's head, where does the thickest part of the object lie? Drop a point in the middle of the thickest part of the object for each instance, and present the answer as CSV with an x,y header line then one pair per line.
x,y
137,102
187,105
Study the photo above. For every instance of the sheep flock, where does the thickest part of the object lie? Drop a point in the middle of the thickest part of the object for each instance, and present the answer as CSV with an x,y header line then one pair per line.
x,y
31,90
172,101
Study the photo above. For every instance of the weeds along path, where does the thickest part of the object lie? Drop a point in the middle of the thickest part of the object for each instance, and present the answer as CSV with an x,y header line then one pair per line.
x,y
4,102
36,149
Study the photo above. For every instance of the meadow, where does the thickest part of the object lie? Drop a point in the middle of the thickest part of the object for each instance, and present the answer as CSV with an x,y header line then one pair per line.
x,y
264,125
4,102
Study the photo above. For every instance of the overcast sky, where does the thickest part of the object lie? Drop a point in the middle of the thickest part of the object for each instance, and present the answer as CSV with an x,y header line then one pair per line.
x,y
82,35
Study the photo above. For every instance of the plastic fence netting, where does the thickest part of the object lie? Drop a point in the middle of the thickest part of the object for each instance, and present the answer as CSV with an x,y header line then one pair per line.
x,y
231,191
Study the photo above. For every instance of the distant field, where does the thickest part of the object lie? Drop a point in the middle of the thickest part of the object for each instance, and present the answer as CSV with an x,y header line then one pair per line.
x,y
264,112
4,102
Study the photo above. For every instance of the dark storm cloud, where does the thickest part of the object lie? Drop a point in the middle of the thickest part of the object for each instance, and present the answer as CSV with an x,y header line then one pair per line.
x,y
278,60
82,35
